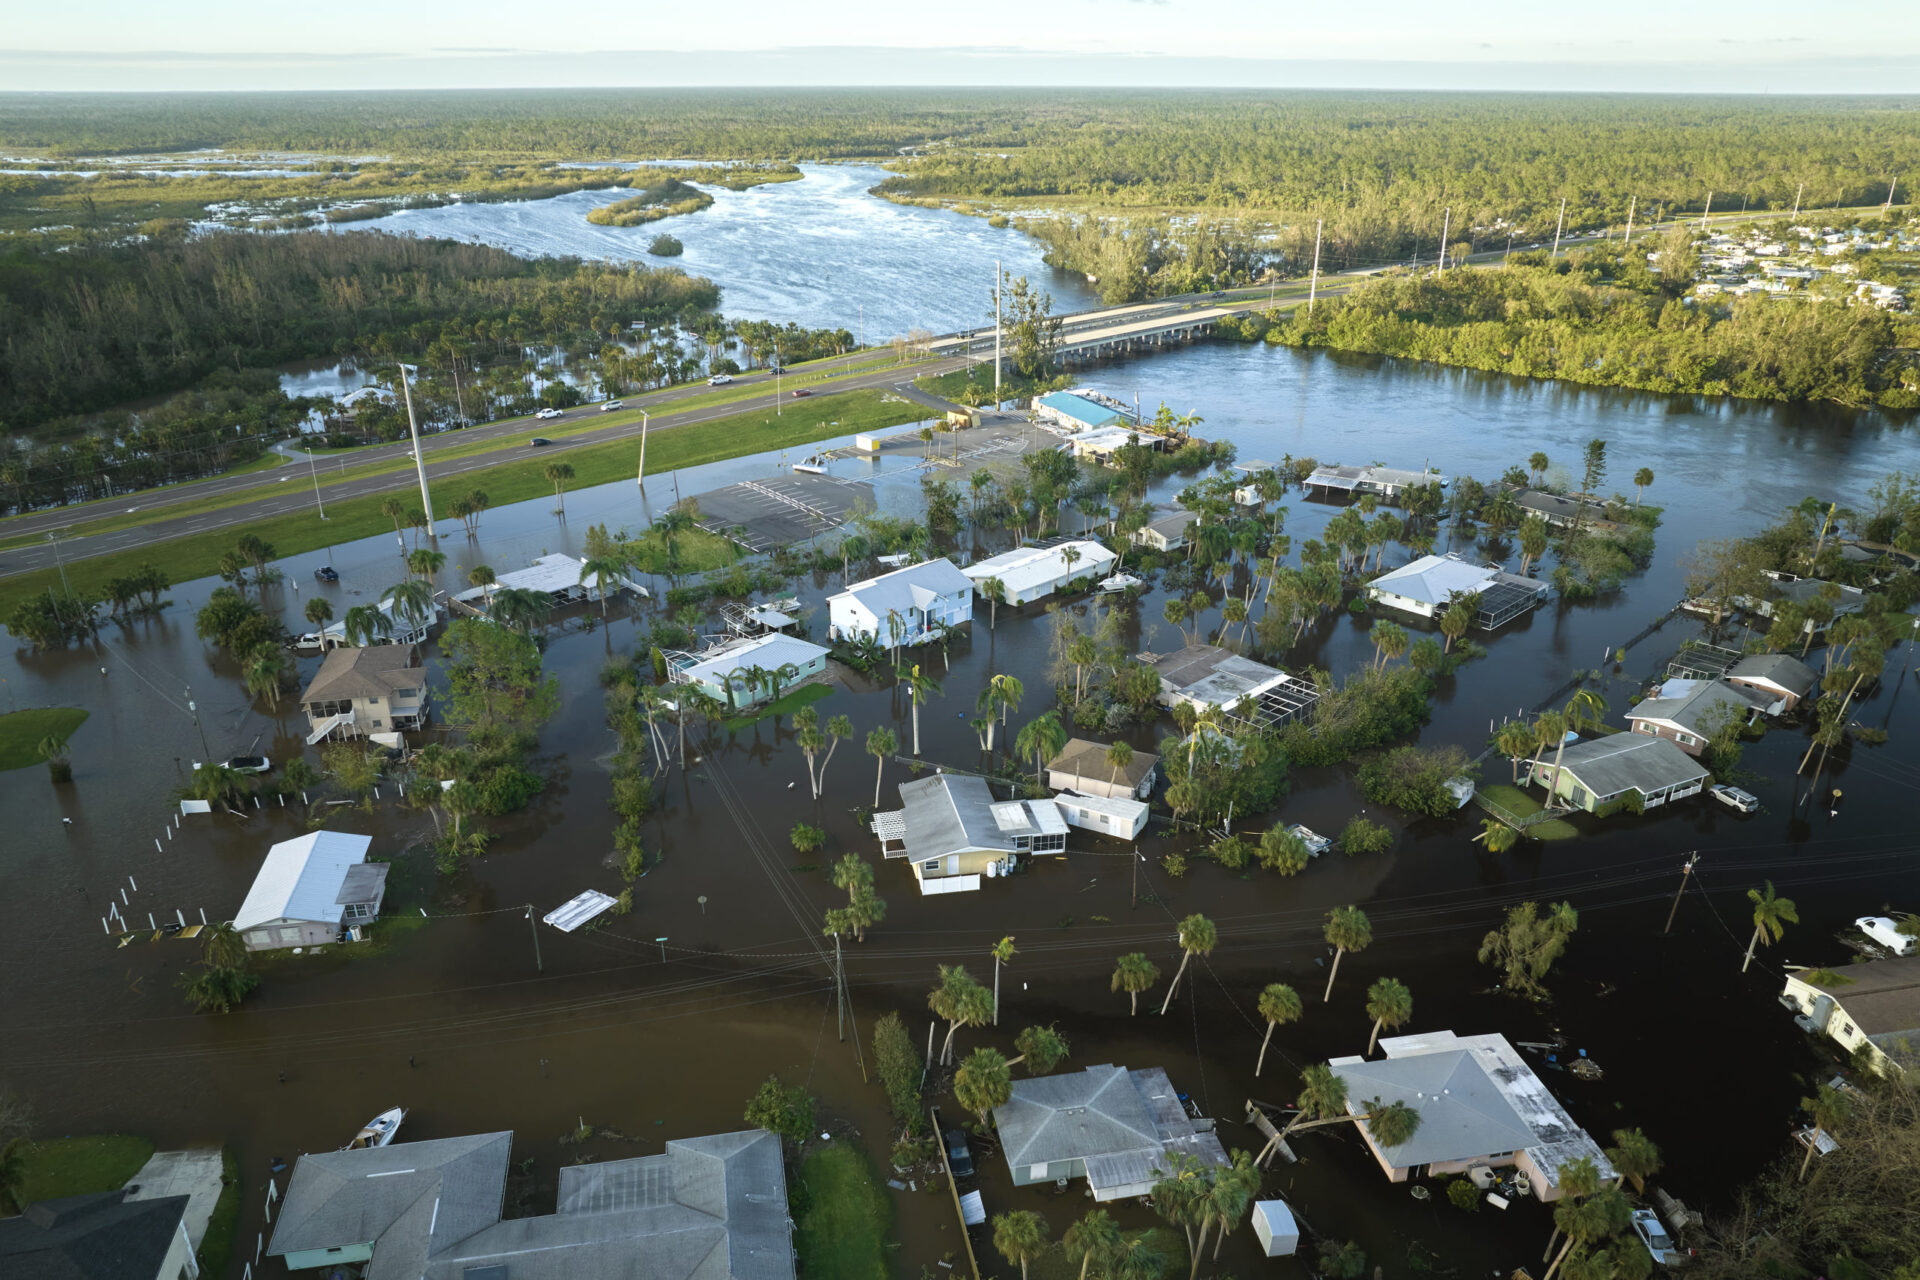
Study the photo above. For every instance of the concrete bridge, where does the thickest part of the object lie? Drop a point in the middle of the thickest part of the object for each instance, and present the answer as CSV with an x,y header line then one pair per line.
x,y
1111,331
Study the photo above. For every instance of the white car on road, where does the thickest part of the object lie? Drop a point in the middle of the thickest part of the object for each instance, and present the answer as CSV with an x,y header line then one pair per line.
x,y
547,413
720,380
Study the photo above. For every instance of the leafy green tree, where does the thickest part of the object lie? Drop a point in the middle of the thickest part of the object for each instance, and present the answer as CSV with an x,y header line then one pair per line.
x,y
1363,836
1041,1048
1282,851
495,686
786,1110
898,1067
1527,945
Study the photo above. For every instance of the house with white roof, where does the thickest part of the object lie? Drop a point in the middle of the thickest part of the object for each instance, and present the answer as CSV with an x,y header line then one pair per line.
x,y
726,671
556,576
905,607
1102,443
1427,587
401,629
1208,677
1479,1104
1118,1129
1388,482
953,832
1033,573
309,889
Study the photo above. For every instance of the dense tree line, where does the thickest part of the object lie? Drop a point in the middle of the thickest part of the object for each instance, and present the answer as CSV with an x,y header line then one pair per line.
x,y
1148,257
1600,318
79,331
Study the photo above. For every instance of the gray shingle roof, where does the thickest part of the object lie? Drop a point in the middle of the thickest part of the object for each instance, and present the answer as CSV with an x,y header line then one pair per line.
x,y
1122,1123
370,672
1212,674
950,812
1089,758
1462,1113
1628,761
103,1236
411,1200
1782,669
1702,708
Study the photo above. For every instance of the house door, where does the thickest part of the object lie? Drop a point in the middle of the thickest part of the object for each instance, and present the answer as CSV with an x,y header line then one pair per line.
x,y
953,864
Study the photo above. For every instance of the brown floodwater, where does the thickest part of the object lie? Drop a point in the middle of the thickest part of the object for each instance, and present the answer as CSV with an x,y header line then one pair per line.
x,y
475,1019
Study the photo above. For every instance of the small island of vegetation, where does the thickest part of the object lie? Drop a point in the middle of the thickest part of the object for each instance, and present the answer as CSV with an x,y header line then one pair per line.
x,y
665,246
664,199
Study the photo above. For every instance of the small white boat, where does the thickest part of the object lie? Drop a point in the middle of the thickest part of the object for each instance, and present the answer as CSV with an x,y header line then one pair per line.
x,y
1120,582
1316,843
379,1131
811,468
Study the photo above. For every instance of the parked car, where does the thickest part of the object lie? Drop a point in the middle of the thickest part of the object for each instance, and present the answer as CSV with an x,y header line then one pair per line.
x,y
798,392
720,380
610,405
250,764
959,1154
538,442
326,573
1735,798
1653,1234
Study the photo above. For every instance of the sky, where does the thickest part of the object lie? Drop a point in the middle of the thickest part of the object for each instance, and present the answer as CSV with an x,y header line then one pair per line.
x,y
1772,46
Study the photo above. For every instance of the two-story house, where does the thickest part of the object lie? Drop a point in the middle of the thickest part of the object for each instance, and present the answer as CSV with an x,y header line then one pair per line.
x,y
905,607
381,688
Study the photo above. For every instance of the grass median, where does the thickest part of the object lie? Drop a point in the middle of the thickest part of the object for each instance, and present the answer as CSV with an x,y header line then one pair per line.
x,y
523,479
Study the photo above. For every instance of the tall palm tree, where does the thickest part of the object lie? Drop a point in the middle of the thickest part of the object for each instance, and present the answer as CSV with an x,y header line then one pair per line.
x,y
1197,937
961,1001
558,473
1828,1108
481,576
1589,1219
1583,708
1002,952
1094,1236
1348,929
605,572
1771,916
319,611
1641,479
994,592
411,600
919,688
425,562
983,1082
1134,973
881,743
1234,1188
1043,739
1020,1236
366,624
1279,1003
521,608
1496,835
1389,1004
1537,466
266,671
1119,756
807,736
1633,1155
395,510
1515,741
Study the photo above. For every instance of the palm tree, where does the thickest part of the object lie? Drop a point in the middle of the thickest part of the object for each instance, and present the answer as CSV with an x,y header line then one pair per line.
x,y
1348,929
364,624
395,510
1279,1003
1633,1155
1003,952
521,608
605,572
319,612
853,874
1197,937
425,562
558,473
1234,1188
1829,1109
1454,624
994,591
1389,1004
266,670
1771,916
919,688
1134,973
961,1001
881,743
1119,756
411,600
1041,1048
1043,739
1587,1219
1537,466
1496,835
1641,479
1514,740
481,576
1585,707
1096,1235
1020,1236
983,1082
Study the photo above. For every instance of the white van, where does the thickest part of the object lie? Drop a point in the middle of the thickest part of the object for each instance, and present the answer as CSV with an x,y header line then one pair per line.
x,y
1887,933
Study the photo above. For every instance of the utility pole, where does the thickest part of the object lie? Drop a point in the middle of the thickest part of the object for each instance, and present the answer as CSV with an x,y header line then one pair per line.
x,y
315,475
538,966
1446,222
1558,223
641,477
1686,873
1313,286
1890,189
1706,211
1630,204
54,538
1796,200
419,463
840,988
1508,256
997,277
194,711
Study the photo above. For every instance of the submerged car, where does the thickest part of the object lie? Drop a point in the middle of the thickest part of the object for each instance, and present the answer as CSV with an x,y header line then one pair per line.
x,y
326,573
1734,798
250,764
1653,1234
959,1154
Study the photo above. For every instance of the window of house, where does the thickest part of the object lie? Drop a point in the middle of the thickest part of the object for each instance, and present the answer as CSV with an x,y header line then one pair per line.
x,y
1686,739
931,864
290,935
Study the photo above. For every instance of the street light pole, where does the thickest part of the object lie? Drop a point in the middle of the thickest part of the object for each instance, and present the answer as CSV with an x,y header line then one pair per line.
x,y
419,463
313,472
641,477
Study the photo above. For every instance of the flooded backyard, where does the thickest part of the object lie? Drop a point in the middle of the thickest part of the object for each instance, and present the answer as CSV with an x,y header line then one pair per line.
x,y
661,1023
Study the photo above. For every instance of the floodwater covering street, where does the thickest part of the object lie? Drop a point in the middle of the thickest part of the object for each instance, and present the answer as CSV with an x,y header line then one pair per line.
x,y
659,1024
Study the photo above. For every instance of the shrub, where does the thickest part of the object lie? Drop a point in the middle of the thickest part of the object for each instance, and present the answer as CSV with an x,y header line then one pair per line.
x,y
805,838
1414,778
1462,1194
1363,835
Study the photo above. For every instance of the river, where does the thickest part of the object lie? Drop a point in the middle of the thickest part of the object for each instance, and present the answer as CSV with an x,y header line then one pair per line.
x,y
660,1024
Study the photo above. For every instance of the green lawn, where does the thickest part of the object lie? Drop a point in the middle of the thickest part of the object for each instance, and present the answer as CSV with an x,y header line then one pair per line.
x,y
1524,804
21,732
818,417
79,1166
217,1245
843,1230
786,704
698,550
